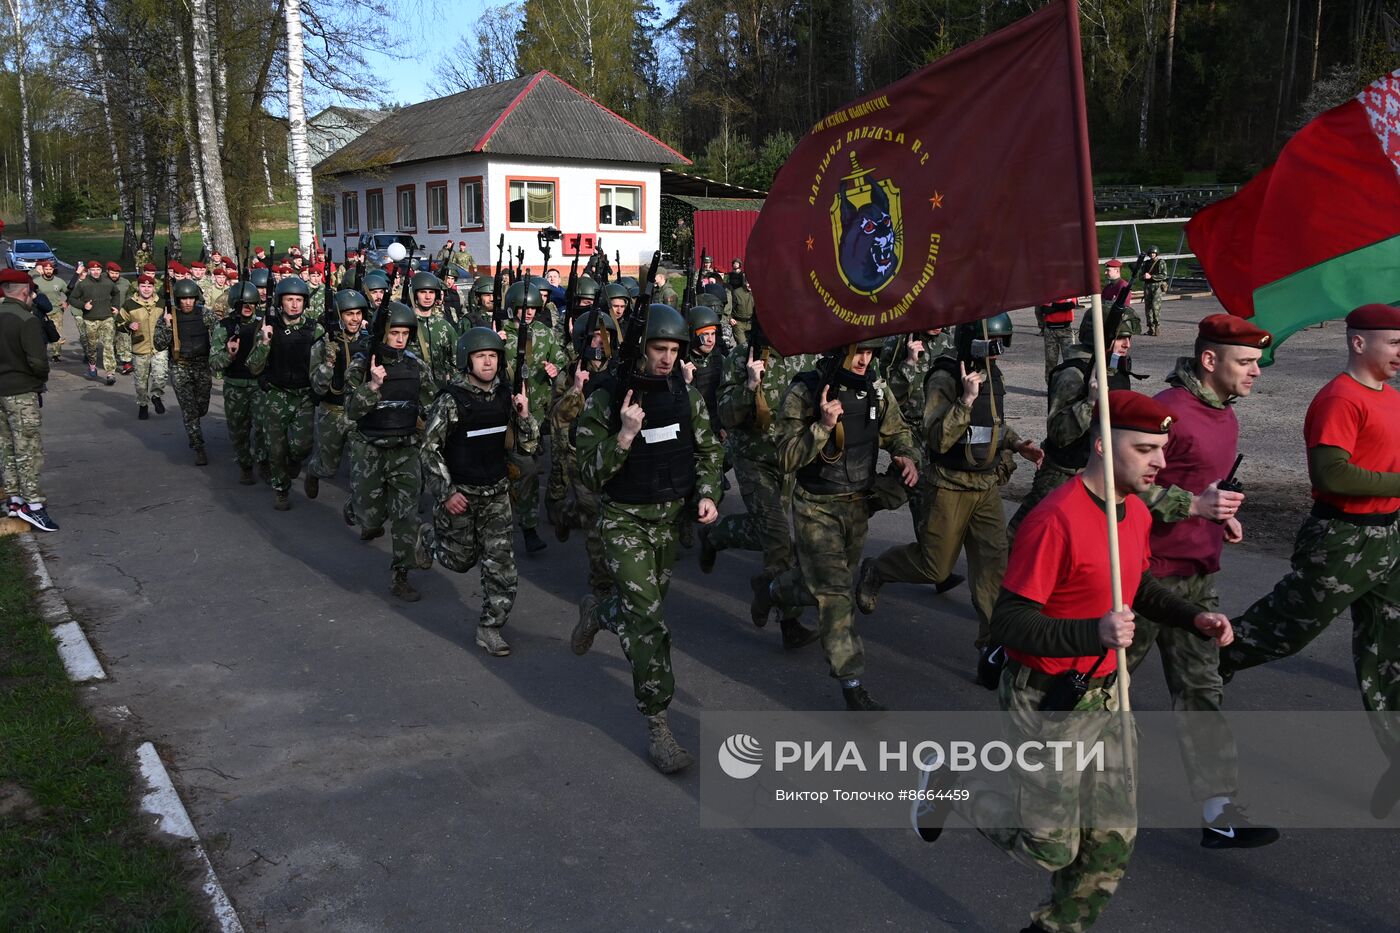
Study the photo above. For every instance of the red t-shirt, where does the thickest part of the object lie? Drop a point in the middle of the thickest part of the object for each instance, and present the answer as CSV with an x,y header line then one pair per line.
x,y
1061,561
1366,424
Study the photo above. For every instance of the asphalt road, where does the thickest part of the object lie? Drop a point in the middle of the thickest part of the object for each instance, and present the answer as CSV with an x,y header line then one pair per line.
x,y
356,763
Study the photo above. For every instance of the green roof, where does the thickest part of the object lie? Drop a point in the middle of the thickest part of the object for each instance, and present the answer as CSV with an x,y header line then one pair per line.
x,y
718,204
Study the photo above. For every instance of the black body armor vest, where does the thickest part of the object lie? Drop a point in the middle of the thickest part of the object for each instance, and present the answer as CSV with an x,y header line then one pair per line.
x,y
194,336
289,362
396,415
475,451
660,465
973,452
852,469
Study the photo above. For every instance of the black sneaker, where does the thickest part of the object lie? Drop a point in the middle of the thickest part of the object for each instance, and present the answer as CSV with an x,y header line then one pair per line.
x,y
762,603
36,515
990,660
158,404
859,700
142,413
1233,830
707,551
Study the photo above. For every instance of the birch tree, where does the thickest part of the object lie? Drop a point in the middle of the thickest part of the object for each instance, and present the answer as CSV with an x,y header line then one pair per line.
x,y
296,124
17,18
101,75
182,115
219,235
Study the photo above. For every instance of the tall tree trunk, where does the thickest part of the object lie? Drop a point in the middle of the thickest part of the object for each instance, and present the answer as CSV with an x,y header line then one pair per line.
x,y
183,115
17,18
124,199
1283,67
1317,41
296,125
267,169
220,226
1149,72
148,186
1171,51
172,205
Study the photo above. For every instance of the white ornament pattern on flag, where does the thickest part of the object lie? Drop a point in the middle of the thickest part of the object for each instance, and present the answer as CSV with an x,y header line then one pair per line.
x,y
1381,100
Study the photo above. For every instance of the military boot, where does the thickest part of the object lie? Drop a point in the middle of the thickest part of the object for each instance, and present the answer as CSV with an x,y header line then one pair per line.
x,y
554,511
311,485
369,534
158,404
868,586
283,504
762,603
687,533
200,457
663,749
488,638
533,542
582,638
265,471
708,552
795,634
143,413
859,700
245,476
402,588
423,551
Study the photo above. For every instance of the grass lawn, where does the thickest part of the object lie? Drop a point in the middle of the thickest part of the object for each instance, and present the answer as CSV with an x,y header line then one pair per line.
x,y
73,852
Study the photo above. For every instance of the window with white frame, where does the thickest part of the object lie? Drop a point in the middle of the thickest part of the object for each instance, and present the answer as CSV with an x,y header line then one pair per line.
x,y
437,206
328,219
532,202
619,206
408,207
374,208
351,209
469,197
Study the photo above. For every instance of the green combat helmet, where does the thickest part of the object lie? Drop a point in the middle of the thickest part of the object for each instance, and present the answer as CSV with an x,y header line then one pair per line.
x,y
583,338
973,343
522,295
424,281
616,290
665,323
483,285
586,287
401,315
244,294
477,339
1129,325
184,288
293,285
259,278
348,299
700,317
871,343
374,279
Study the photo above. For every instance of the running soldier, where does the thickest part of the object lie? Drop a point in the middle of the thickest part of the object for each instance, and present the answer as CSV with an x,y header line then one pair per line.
x,y
94,299
543,361
435,342
121,336
1056,323
235,339
331,357
140,317
282,360
471,426
187,338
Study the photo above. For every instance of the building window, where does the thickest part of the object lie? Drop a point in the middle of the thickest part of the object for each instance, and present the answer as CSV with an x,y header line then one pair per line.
x,y
532,201
351,209
437,207
374,209
328,219
408,208
619,206
469,197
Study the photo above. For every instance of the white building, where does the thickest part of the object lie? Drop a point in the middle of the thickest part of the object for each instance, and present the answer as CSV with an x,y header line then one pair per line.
x,y
332,128
511,158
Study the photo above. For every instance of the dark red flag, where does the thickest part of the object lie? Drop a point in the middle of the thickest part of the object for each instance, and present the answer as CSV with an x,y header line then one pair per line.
x,y
960,190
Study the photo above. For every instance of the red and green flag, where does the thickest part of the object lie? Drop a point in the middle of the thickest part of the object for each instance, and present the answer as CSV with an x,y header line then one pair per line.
x,y
1317,233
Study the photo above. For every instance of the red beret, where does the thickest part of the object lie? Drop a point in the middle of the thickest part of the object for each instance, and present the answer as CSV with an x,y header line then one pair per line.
x,y
1374,317
144,279
319,269
258,250
45,262
114,267
149,267
1232,331
198,265
461,242
259,265
352,254
1133,411
15,277
94,264
1114,264
179,268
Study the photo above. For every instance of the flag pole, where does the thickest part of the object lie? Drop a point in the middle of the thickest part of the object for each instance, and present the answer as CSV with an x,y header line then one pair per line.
x,y
1109,487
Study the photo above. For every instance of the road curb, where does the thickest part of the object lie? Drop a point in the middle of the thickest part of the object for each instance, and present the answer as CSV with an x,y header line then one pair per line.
x,y
162,800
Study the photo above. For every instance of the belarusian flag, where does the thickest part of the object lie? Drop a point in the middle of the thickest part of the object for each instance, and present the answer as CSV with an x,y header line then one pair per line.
x,y
1318,233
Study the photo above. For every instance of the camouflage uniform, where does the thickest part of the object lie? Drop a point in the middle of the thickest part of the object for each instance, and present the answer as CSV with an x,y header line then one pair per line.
x,y
55,290
329,354
639,544
151,366
142,258
26,371
1071,410
1152,291
242,400
95,324
741,310
582,504
287,414
386,474
190,375
121,336
830,529
543,348
216,299
483,534
436,346
906,382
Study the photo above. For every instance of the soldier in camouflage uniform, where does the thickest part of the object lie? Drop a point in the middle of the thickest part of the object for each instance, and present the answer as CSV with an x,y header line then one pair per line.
x,y
829,436
1056,320
703,366
24,373
970,456
234,340
330,359
752,391
187,338
140,317
645,475
216,292
121,336
543,360
481,302
435,342
143,256
54,289
94,299
740,303
1347,552
572,387
1072,400
1154,286
471,425
387,393
282,360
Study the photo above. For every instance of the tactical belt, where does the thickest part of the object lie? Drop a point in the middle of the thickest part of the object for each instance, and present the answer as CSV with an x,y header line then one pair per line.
x,y
1323,510
1043,682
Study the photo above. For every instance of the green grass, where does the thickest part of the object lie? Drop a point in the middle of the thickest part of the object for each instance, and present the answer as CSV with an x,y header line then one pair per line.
x,y
76,857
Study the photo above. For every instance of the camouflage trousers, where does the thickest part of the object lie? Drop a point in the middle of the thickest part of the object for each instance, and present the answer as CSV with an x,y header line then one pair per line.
x,y
525,488
193,383
149,376
122,344
638,554
22,446
830,536
1192,669
97,338
767,494
1079,826
242,398
56,319
483,535
1152,302
1048,478
288,426
888,493
332,431
1058,340
561,466
955,519
385,483
1336,565
581,510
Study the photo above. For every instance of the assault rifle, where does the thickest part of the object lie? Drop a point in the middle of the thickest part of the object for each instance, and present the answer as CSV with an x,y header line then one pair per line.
x,y
330,320
688,297
269,305
381,314
630,351
571,291
760,349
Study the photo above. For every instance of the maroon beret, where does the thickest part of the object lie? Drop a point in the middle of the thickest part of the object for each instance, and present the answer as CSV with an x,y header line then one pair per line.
x,y
146,279
114,267
15,277
94,264
1133,411
198,265
1374,317
149,267
1114,264
1233,331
